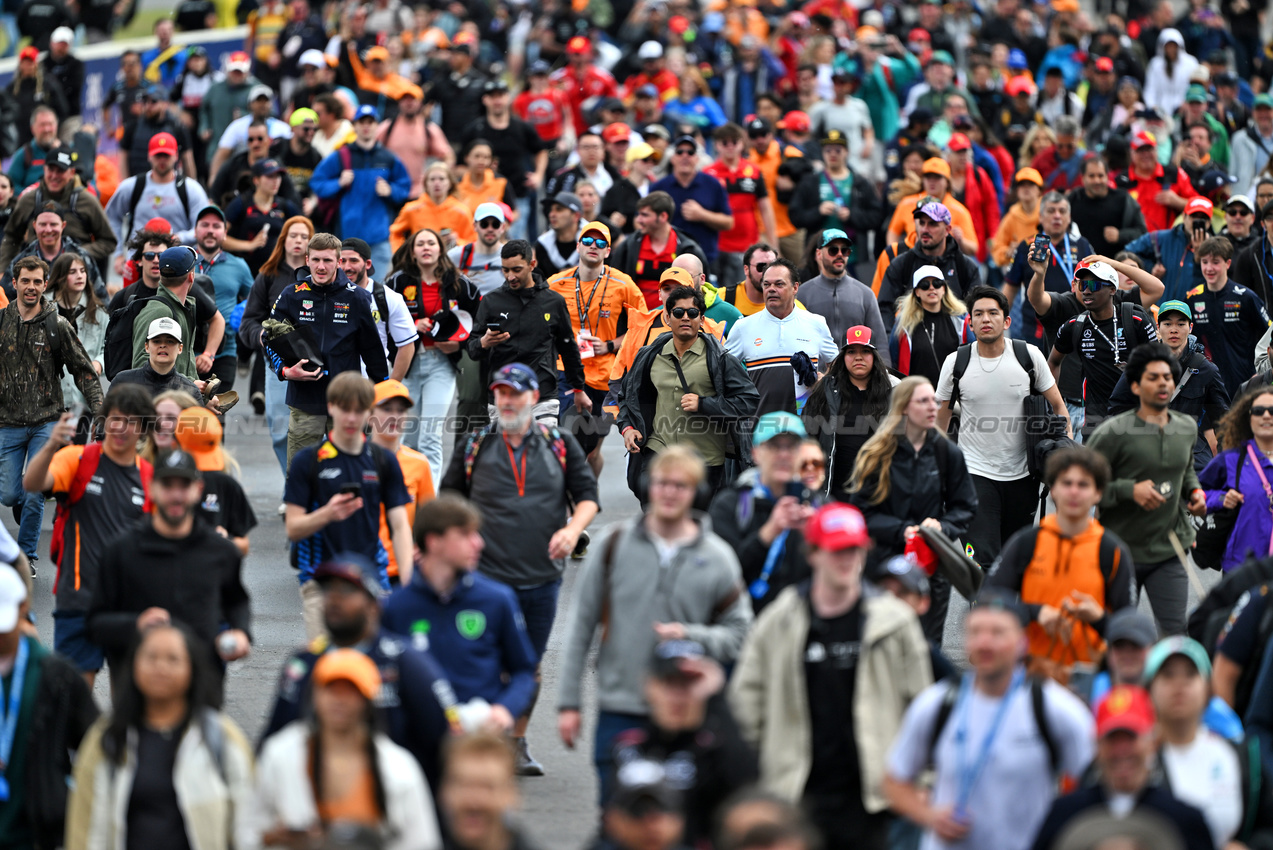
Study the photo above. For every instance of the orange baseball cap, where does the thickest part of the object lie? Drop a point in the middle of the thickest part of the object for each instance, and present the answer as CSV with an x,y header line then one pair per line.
x,y
795,120
937,165
1029,175
616,132
596,227
199,433
1199,206
678,275
377,52
348,665
386,390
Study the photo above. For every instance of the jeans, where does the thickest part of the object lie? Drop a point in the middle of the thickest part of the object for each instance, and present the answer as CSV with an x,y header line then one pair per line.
x,y
539,609
381,259
1168,590
1078,418
431,382
16,446
1003,509
610,725
277,414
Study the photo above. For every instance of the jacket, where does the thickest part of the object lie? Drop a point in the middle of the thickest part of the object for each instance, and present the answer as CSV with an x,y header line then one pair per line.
x,y
261,297
623,587
69,245
983,202
912,498
624,257
363,213
827,433
156,383
866,210
1190,823
285,796
902,343
844,303
1172,249
1249,154
1093,215
1254,526
641,332
31,376
730,410
1016,226
235,177
962,274
93,336
534,341
1164,90
340,322
902,224
452,214
770,698
459,294
1253,268
86,224
215,793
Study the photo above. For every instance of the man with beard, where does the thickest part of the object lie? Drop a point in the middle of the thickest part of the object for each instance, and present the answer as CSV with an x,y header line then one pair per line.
x,y
86,222
555,249
50,242
552,477
231,282
1061,255
398,332
1107,218
837,296
479,260
417,703
172,566
934,245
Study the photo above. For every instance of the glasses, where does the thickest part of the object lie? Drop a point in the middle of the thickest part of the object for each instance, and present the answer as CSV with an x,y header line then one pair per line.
x,y
685,152
925,285
728,143
1241,212
151,256
258,139
489,223
590,241
1261,410
835,250
1091,284
813,466
760,267
683,312
757,136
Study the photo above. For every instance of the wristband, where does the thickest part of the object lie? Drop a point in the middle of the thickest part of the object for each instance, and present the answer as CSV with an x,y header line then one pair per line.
x,y
609,346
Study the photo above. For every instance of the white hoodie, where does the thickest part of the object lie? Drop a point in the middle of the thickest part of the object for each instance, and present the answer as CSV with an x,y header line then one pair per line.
x,y
1163,89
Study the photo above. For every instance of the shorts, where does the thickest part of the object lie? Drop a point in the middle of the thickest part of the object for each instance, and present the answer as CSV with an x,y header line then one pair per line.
x,y
588,430
70,638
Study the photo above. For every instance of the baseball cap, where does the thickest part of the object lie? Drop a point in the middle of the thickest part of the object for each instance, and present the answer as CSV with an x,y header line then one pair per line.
x,y
13,592
377,53
665,661
859,335
616,132
650,50
924,273
1020,84
164,326
1104,65
494,86
1212,180
60,159
177,463
656,130
641,150
539,68
358,246
611,104
1144,139
648,90
199,433
569,200
266,167
348,665
795,120
1001,599
832,234
489,210
29,53
685,140
1240,199
836,526
259,91
596,227
834,137
366,111
1225,79
1196,94
354,568
313,59
1029,175
935,211
758,127
937,165
1263,100
775,424
240,61
300,116
941,57
211,208
680,24
1017,60
1101,271
641,787
517,376
1127,623
578,44
62,35
679,275
158,225
1176,645
176,261
1175,307
386,390
958,142
1126,708
1199,206
906,570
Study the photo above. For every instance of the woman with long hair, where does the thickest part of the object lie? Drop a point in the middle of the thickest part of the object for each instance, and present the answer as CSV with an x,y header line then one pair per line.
x,y
931,324
70,290
339,768
481,184
694,104
1235,477
909,475
845,406
168,408
165,769
439,207
431,285
1038,138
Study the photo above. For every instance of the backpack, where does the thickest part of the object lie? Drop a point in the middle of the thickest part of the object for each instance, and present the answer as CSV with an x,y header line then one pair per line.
x,y
89,460
327,213
379,457
382,304
947,707
551,434
1225,601
118,352
139,190
72,207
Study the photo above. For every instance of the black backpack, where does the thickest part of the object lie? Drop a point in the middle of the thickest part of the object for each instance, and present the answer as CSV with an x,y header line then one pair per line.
x,y
119,334
947,707
382,304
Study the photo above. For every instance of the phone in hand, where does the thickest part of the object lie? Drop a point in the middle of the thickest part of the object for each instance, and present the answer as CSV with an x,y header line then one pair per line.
x,y
1039,250
354,489
77,412
495,327
802,493
1199,226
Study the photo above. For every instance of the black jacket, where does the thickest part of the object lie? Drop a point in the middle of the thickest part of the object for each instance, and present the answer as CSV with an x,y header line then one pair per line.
x,y
235,177
463,292
730,410
1188,820
1253,268
624,258
156,383
261,297
1116,209
70,74
66,711
566,179
622,198
539,327
918,488
962,274
866,210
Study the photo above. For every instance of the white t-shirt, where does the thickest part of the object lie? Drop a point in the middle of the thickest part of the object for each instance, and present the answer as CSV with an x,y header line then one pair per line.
x,y
236,134
1015,789
398,322
991,393
1206,775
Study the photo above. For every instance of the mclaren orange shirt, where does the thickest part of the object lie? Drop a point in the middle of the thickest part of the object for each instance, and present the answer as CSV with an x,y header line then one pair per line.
x,y
768,163
603,304
418,477
903,223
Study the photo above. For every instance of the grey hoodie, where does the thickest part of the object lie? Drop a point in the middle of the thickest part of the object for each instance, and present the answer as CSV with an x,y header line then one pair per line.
x,y
844,303
702,587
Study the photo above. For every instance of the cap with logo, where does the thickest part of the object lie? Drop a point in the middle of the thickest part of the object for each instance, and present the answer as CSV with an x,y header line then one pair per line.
x,y
240,61
177,261
1144,139
29,54
390,389
579,45
1126,708
834,137
164,326
489,209
1175,307
656,131
686,140
1029,175
906,571
859,335
667,660
836,527
775,424
266,168
597,228
1199,206
60,160
834,234
616,132
1096,269
516,376
495,86
1176,645
1017,60
366,111
259,91
539,68
935,211
936,165
312,59
348,665
355,568
199,433
929,272
177,463
758,127
648,90
677,275
1212,180
641,787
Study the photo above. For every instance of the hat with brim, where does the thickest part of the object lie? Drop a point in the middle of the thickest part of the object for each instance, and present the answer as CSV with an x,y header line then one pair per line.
x,y
1172,646
199,433
1175,307
775,424
348,665
451,325
353,568
1101,271
176,463
924,273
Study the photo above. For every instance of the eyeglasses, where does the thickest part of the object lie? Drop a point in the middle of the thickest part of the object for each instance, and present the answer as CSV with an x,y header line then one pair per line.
x,y
925,285
590,241
683,312
151,256
813,466
1241,212
835,250
489,223
1091,284
1261,410
685,152
258,138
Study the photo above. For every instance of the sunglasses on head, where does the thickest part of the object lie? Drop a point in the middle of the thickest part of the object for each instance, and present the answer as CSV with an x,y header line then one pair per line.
x,y
1260,409
590,241
925,285
1091,284
489,223
683,312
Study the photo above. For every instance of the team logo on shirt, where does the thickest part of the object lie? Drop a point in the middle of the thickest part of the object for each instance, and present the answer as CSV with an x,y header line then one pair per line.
x,y
548,317
409,293
470,624
326,451
210,503
308,305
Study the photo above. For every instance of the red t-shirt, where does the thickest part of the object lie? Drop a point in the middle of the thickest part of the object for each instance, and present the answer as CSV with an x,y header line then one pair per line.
x,y
745,186
651,265
423,302
1144,191
545,111
596,83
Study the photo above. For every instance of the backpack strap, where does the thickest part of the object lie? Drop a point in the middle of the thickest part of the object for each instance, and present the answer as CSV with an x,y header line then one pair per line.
x,y
1041,721
944,710
183,196
472,446
941,447
139,191
1111,557
1021,350
466,257
553,437
1127,312
382,304
731,293
963,356
214,738
89,460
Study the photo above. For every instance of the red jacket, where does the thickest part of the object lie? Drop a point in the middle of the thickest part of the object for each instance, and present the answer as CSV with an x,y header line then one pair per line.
x,y
1144,190
983,203
1049,168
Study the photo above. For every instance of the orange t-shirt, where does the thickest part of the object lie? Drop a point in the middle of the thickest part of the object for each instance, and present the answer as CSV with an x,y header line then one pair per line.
x,y
903,223
452,214
605,301
418,477
358,806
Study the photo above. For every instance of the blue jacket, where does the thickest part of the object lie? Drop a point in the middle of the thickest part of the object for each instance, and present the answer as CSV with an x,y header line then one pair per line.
x,y
340,322
1255,523
231,283
477,634
984,159
1171,248
363,213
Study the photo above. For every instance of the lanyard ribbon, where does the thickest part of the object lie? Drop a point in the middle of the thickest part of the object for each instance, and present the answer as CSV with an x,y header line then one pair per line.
x,y
9,725
519,479
969,773
1067,265
759,588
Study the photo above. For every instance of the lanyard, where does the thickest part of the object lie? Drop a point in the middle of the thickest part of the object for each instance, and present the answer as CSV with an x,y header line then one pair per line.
x,y
205,265
1067,267
969,773
583,308
9,726
1114,343
519,479
759,588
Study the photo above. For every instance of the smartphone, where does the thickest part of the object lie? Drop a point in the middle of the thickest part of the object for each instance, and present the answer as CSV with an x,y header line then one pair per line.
x,y
354,489
797,489
495,327
265,231
1199,226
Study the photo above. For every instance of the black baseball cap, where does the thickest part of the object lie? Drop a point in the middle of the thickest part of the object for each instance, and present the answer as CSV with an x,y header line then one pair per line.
x,y
494,86
908,574
665,662
353,568
569,200
1001,599
685,140
60,159
758,127
641,787
359,245
177,463
267,167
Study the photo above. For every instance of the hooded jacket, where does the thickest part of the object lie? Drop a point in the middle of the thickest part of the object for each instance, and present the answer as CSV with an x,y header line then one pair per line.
x,y
31,376
1163,89
827,432
261,297
363,213
87,223
1254,525
962,274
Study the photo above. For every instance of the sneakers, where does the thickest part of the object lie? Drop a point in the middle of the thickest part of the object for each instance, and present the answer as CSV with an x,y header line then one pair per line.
x,y
581,547
282,509
31,561
258,403
526,764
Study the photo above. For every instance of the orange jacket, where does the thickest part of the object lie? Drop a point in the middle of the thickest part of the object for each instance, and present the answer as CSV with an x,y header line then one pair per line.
x,y
491,191
452,213
903,222
393,86
886,257
605,300
1015,226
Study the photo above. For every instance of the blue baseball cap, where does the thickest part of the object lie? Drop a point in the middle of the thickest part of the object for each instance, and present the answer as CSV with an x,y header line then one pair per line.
x,y
177,261
366,111
1016,59
517,376
831,234
776,424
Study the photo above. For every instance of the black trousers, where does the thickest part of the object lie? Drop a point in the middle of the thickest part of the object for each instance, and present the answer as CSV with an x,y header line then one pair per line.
x,y
1003,509
639,480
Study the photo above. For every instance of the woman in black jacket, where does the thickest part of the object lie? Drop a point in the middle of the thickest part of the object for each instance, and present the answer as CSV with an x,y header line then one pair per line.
x,y
909,475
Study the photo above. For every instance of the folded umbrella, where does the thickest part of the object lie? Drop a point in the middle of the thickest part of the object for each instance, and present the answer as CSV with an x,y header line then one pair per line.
x,y
963,573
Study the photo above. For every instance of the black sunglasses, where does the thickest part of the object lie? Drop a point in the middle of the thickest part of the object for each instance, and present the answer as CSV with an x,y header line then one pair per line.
x,y
489,223
151,256
685,152
683,312
1239,211
760,267
835,250
925,285
1260,410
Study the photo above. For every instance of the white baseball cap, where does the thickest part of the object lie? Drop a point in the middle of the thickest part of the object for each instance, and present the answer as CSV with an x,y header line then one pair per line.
x,y
260,90
62,35
1101,271
13,592
312,58
926,273
650,50
489,210
164,327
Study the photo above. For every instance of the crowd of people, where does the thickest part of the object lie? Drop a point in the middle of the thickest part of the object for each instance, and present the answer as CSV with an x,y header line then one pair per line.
x,y
887,303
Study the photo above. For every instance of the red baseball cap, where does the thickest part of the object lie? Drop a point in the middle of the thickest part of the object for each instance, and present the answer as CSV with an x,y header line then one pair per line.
x,y
1199,206
616,132
1126,708
959,142
678,24
1144,139
158,224
1020,84
29,53
162,143
919,34
579,44
859,335
837,526
1104,64
795,120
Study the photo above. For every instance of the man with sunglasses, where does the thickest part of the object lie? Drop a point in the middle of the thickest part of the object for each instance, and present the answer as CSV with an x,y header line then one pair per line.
x,y
837,296
702,204
1239,223
479,260
1253,266
654,246
235,135
1228,319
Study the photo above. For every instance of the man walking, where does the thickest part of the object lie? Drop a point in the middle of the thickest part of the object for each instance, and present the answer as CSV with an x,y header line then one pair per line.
x,y
161,192
1060,259
479,260
835,295
555,249
86,221
1229,319
702,206
749,200
231,283
387,418
397,331
654,246
934,246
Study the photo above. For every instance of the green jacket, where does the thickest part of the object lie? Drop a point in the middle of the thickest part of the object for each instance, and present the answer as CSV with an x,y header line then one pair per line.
x,y
221,105
1139,451
185,317
718,309
889,74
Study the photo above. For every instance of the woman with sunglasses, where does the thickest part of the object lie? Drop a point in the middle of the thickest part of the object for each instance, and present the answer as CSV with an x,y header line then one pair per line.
x,y
439,208
1237,476
931,324
846,405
